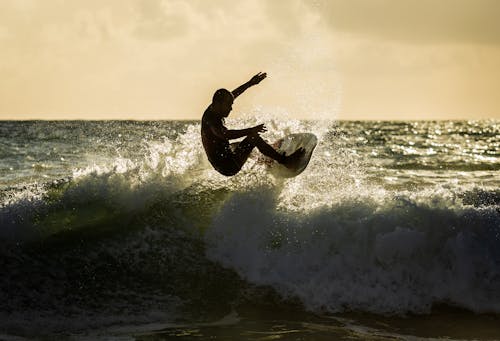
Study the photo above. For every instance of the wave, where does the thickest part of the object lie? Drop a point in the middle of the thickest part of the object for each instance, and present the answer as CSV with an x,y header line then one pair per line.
x,y
168,238
395,254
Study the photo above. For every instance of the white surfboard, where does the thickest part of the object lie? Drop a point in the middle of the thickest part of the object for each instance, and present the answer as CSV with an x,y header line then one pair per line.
x,y
290,144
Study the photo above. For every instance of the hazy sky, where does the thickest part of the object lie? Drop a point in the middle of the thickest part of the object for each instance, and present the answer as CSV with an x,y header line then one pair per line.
x,y
163,59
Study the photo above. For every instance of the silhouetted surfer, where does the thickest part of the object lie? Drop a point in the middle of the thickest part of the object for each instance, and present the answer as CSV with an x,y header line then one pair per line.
x,y
225,158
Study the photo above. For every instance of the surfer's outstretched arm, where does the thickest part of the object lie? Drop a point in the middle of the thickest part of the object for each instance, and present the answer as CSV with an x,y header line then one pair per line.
x,y
253,81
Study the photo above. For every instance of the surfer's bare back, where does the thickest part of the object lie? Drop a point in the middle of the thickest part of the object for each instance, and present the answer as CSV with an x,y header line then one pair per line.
x,y
225,158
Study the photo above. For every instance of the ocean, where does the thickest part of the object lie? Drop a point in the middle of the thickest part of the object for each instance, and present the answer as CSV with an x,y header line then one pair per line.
x,y
121,230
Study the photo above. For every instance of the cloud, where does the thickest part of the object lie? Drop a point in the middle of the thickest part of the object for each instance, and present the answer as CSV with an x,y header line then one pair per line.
x,y
419,21
161,20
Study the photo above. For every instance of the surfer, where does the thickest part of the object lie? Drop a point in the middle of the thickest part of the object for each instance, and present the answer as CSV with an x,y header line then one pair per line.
x,y
227,158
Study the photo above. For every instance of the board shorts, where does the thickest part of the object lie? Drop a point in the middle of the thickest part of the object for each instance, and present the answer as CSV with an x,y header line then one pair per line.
x,y
233,159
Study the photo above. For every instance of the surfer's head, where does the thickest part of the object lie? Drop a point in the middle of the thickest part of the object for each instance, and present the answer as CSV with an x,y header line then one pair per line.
x,y
222,102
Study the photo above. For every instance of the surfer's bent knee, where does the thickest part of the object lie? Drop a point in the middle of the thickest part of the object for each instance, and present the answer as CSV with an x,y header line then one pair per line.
x,y
255,138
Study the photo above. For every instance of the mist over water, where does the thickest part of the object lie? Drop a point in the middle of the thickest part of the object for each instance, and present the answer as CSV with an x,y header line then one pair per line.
x,y
118,223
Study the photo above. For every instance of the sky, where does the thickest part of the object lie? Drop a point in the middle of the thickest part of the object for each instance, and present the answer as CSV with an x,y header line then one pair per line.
x,y
325,59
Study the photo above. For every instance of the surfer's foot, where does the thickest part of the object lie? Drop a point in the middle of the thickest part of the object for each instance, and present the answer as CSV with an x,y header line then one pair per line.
x,y
291,159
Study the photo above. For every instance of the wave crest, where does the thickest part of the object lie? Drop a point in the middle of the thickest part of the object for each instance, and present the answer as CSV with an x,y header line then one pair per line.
x,y
390,255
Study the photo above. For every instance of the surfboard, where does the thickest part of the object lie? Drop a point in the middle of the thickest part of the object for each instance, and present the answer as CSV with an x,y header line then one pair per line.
x,y
290,144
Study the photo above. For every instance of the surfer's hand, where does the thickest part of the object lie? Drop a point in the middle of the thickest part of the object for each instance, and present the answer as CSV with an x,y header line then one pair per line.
x,y
259,129
257,78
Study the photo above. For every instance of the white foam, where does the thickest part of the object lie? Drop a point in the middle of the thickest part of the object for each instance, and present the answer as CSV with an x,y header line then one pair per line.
x,y
392,254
